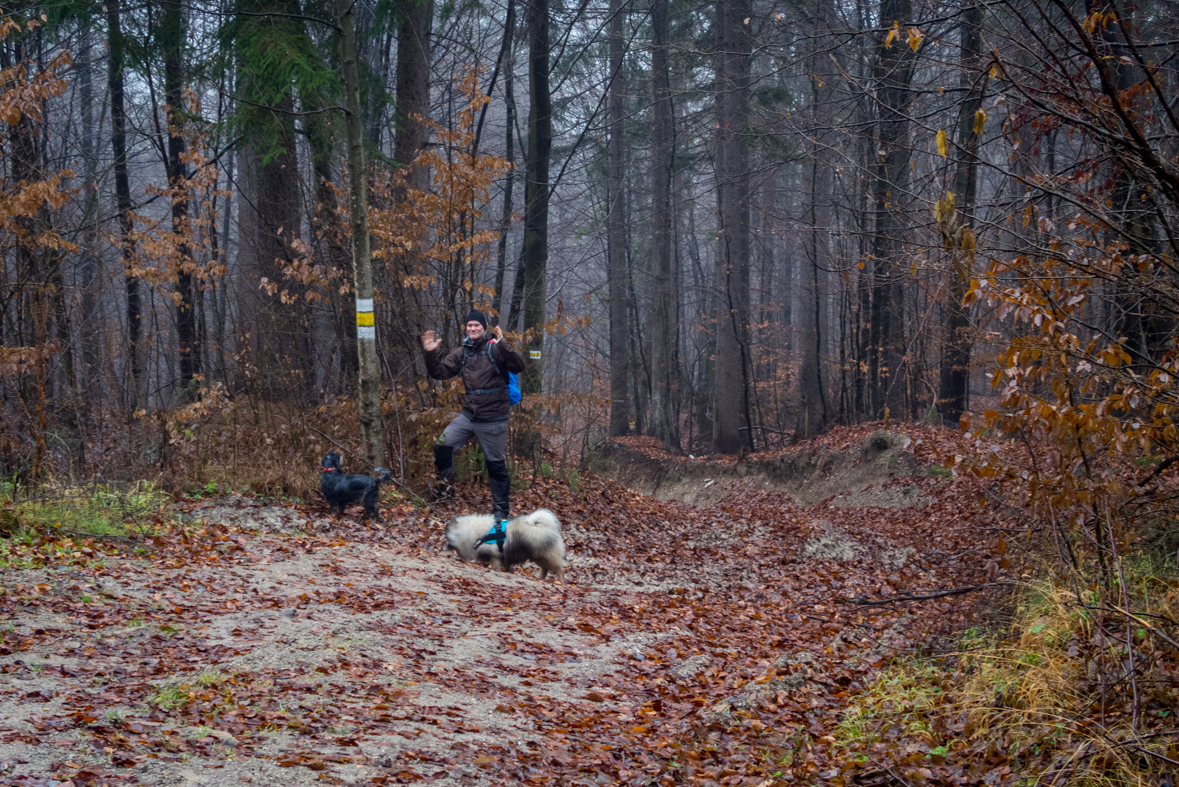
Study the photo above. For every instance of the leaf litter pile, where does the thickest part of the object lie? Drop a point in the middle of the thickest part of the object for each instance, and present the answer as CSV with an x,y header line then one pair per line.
x,y
258,644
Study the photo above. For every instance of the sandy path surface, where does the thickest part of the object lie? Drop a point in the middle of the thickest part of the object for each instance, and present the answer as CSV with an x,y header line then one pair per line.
x,y
274,646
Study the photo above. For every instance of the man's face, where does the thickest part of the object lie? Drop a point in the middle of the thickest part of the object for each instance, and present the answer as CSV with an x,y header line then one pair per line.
x,y
475,330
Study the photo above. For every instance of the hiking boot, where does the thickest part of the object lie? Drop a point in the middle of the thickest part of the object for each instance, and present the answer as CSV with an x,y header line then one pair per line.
x,y
500,481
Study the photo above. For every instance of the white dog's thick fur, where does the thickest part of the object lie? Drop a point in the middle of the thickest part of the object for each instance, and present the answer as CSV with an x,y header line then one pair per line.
x,y
535,537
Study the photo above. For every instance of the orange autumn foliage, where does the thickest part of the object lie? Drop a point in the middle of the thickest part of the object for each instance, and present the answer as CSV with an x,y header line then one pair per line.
x,y
1094,426
437,227
21,95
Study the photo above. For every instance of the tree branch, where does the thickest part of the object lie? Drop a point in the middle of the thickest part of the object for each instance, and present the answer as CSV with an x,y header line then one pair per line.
x,y
911,596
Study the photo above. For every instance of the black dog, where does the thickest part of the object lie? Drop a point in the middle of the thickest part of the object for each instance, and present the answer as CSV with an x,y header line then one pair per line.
x,y
340,490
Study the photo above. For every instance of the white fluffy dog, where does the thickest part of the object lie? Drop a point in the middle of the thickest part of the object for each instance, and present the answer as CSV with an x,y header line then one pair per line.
x,y
535,537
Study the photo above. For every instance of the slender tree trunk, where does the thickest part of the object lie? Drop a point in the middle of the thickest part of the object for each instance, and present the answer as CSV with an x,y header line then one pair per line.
x,y
770,332
893,75
534,252
815,412
954,377
45,263
283,347
505,221
413,86
220,304
117,61
731,418
61,316
172,38
637,348
270,214
378,102
516,307
366,332
90,317
30,302
218,294
616,235
38,301
331,236
665,405
412,79
785,292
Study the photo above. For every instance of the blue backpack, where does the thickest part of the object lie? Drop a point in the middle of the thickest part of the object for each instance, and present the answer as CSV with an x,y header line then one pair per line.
x,y
513,386
514,395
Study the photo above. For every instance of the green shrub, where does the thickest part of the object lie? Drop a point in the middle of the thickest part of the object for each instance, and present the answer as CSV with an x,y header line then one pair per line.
x,y
98,510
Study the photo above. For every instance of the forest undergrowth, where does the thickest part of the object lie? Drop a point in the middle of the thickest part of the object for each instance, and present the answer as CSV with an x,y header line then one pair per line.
x,y
750,641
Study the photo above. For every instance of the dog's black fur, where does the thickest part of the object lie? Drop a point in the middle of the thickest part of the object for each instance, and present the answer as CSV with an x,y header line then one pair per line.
x,y
339,490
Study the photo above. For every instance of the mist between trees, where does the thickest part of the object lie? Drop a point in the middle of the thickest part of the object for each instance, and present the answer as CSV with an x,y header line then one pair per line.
x,y
724,225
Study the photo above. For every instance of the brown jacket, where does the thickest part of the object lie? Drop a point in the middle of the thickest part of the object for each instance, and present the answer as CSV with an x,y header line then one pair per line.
x,y
487,392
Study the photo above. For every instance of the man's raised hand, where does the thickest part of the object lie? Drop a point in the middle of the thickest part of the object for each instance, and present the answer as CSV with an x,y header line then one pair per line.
x,y
430,341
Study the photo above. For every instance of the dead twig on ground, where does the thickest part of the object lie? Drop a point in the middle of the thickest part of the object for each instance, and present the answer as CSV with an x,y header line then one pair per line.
x,y
911,596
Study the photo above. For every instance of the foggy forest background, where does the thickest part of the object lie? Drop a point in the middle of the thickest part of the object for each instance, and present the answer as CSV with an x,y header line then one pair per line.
x,y
727,226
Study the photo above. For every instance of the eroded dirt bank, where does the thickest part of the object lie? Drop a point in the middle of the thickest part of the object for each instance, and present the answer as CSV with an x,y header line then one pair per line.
x,y
851,473
693,644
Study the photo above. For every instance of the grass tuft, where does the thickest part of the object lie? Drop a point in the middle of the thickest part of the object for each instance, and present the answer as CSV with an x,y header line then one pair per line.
x,y
903,698
81,511
169,696
201,687
1061,693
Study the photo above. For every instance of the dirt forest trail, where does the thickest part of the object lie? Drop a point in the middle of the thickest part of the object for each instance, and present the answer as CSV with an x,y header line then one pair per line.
x,y
693,644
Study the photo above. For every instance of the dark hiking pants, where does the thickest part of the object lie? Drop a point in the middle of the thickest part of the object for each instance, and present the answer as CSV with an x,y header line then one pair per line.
x,y
493,439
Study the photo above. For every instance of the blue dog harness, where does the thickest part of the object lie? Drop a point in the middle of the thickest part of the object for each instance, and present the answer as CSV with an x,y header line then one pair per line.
x,y
497,534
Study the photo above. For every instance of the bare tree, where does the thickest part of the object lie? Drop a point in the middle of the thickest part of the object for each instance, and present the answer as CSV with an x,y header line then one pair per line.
x,y
814,407
116,63
894,63
368,392
172,36
956,220
665,329
534,252
733,374
616,234
507,62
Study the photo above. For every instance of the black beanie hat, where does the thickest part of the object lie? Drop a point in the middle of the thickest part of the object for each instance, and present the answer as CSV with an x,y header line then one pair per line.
x,y
478,317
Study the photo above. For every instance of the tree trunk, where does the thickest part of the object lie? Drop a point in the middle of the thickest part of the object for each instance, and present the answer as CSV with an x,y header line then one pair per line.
x,y
377,101
332,234
220,306
90,316
117,61
505,221
534,252
44,262
283,346
616,236
412,80
731,418
814,408
893,75
38,268
172,38
958,234
413,86
366,332
665,403
270,215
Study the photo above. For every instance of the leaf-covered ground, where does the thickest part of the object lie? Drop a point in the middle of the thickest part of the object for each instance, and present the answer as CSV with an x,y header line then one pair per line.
x,y
262,644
